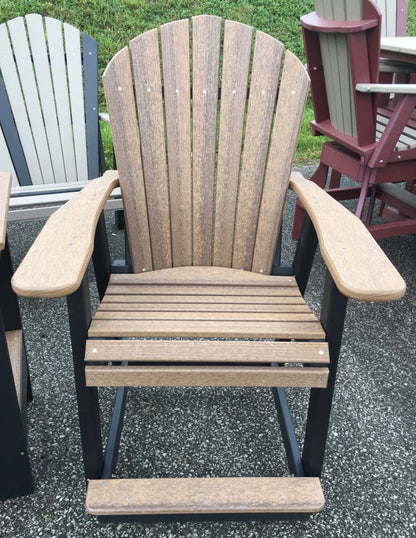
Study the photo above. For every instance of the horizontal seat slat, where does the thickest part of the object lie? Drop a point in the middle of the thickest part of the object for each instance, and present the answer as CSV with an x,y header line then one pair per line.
x,y
206,329
203,351
205,316
206,376
204,495
201,307
203,299
203,276
166,289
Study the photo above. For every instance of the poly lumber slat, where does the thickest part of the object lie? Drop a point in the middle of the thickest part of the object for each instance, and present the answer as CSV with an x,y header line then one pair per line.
x,y
203,276
17,104
6,160
176,78
263,88
61,92
148,86
5,185
166,289
41,65
76,97
15,344
205,66
289,113
205,376
205,316
203,299
236,62
204,495
206,351
29,85
206,329
119,92
201,307
359,267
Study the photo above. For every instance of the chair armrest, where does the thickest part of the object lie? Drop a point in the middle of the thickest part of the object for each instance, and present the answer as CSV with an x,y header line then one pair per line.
x,y
359,267
104,117
56,262
5,186
387,88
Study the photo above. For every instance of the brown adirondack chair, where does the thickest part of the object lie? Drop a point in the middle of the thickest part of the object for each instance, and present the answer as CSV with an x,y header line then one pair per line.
x,y
373,137
204,304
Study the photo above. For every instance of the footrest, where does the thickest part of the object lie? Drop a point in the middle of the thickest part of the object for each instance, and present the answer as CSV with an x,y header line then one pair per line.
x,y
204,496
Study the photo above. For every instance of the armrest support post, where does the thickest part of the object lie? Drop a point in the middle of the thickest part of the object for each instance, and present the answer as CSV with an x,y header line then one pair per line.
x,y
333,310
9,306
79,311
101,256
305,253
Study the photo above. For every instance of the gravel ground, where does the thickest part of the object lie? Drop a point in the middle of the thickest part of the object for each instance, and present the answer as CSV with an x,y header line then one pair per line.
x,y
369,473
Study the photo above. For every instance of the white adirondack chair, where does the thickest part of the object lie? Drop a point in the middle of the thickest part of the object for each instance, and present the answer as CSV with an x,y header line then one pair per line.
x,y
49,130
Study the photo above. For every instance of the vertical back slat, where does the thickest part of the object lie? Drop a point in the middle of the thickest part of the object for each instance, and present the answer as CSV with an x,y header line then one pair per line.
x,y
263,88
60,87
289,112
29,87
17,105
119,92
176,77
148,85
236,63
76,96
205,64
36,34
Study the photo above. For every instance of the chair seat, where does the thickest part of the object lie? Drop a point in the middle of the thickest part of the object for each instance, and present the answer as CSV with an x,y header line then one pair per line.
x,y
198,305
407,139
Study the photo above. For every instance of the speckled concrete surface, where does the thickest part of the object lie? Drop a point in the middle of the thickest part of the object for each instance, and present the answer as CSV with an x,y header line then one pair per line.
x,y
369,475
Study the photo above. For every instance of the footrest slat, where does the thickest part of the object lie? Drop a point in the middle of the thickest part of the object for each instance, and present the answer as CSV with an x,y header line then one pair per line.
x,y
204,496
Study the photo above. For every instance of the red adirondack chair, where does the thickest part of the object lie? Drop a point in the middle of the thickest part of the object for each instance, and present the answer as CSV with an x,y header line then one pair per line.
x,y
371,126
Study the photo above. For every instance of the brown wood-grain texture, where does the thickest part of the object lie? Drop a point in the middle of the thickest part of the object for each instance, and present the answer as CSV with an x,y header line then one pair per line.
x,y
204,495
359,267
192,168
56,262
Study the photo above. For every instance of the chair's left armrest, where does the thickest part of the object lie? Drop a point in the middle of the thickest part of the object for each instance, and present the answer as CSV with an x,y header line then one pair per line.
x,y
56,262
358,266
5,186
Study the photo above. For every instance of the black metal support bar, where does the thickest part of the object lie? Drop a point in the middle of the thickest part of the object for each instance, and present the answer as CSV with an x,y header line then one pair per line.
x,y
101,256
334,305
288,432
9,305
113,443
305,253
79,310
15,473
279,267
182,518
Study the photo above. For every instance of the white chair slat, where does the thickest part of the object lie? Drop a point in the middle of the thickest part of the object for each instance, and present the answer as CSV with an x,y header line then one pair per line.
x,y
76,94
44,82
17,103
6,164
59,79
24,64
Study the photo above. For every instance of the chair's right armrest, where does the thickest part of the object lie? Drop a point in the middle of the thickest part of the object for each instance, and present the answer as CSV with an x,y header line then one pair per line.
x,y
56,262
5,186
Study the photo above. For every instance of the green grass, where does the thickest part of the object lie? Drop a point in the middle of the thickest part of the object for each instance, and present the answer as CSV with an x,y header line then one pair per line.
x,y
114,22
